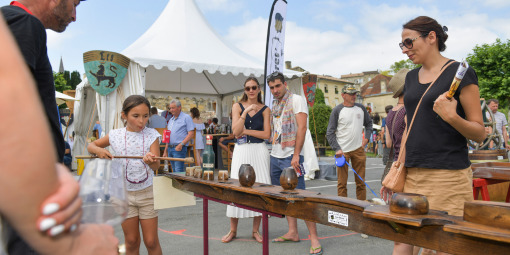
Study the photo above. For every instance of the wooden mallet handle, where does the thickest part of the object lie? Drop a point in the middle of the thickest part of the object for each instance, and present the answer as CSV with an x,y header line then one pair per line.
x,y
185,160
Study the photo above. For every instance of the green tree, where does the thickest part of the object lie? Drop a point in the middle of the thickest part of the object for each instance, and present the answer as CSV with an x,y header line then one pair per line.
x,y
320,112
72,79
403,64
492,65
60,82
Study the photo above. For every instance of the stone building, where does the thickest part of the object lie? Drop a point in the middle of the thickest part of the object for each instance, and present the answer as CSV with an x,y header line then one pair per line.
x,y
377,95
360,78
332,88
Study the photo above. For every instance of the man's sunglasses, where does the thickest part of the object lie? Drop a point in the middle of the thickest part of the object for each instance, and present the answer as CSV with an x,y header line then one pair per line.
x,y
248,88
408,42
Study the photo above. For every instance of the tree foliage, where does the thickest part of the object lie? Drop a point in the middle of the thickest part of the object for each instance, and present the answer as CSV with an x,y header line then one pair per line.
x,y
405,63
60,82
319,97
492,65
72,79
320,112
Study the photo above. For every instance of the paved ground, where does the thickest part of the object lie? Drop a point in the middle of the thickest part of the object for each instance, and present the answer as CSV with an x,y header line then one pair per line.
x,y
180,229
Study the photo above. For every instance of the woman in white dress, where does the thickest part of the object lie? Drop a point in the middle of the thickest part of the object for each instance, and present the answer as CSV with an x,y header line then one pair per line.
x,y
250,124
199,141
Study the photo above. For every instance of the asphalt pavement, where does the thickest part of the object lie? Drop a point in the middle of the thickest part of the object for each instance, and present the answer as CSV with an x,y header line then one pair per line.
x,y
180,229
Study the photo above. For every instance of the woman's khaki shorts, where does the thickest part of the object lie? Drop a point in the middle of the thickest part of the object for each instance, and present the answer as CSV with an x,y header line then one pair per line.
x,y
446,190
141,204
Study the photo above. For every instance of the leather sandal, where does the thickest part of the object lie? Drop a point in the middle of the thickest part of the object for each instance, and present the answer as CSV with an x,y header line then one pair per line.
x,y
231,235
255,234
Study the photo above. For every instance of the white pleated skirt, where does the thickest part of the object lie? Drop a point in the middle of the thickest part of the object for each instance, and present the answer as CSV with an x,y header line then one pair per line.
x,y
257,155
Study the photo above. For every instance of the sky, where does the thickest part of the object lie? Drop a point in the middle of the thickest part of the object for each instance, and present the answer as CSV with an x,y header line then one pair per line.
x,y
326,37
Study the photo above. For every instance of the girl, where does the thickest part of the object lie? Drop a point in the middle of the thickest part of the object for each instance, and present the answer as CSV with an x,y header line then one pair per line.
x,y
135,140
436,152
199,141
250,124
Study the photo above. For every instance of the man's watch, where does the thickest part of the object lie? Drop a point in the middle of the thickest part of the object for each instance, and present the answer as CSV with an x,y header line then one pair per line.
x,y
182,144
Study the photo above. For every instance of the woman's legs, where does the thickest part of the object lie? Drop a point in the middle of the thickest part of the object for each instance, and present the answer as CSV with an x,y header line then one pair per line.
x,y
233,231
199,158
150,236
255,232
131,235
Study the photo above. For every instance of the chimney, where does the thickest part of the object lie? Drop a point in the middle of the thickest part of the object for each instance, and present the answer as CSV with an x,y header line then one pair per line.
x,y
288,65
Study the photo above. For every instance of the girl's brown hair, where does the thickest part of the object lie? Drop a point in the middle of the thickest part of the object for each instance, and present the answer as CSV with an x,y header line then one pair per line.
x,y
195,113
259,96
424,25
134,101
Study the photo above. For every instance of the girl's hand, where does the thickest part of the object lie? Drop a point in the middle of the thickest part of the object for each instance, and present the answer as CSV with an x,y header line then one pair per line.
x,y
149,158
253,108
104,153
446,109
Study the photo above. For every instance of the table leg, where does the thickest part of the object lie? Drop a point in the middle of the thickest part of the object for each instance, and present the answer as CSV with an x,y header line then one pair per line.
x,y
206,225
265,234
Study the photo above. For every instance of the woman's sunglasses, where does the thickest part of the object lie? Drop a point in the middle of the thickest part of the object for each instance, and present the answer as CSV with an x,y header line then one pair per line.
x,y
408,42
251,88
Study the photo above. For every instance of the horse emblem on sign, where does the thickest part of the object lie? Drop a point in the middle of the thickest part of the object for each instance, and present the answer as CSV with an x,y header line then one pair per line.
x,y
105,70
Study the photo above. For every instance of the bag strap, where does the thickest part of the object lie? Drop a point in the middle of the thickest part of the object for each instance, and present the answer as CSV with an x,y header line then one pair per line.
x,y
408,130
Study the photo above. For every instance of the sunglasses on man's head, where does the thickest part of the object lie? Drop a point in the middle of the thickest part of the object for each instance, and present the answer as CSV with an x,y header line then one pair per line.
x,y
408,42
248,88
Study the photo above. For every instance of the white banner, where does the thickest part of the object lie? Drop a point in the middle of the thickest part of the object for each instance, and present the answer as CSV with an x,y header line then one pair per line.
x,y
275,42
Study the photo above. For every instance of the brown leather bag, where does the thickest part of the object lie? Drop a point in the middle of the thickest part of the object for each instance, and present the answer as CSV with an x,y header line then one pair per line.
x,y
396,177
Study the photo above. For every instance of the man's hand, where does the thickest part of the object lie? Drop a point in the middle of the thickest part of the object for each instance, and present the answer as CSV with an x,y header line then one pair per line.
x,y
62,210
339,153
178,147
295,162
364,143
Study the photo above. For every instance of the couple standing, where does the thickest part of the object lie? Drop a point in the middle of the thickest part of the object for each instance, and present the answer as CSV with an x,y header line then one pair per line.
x,y
252,123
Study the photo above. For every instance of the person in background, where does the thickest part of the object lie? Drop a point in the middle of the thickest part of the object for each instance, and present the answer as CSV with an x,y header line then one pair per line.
x,y
386,150
501,122
98,129
436,150
345,135
224,141
166,113
155,120
199,138
288,128
214,126
68,158
138,140
250,122
181,128
46,214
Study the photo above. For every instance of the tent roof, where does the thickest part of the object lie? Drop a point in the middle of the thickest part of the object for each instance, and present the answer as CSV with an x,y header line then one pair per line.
x,y
182,38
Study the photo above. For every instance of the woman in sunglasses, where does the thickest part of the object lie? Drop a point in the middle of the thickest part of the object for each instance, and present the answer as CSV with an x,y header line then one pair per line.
x,y
436,150
250,124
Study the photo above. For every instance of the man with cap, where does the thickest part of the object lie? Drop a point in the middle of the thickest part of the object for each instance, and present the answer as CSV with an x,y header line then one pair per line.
x,y
345,136
28,21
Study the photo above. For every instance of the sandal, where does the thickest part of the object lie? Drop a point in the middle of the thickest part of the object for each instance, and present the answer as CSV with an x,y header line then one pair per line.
x,y
231,235
257,234
315,249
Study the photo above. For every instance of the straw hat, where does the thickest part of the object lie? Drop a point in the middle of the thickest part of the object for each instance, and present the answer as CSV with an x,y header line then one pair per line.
x,y
397,82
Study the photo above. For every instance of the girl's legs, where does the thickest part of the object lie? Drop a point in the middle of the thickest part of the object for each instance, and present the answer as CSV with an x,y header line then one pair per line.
x,y
199,157
233,231
255,232
131,235
150,236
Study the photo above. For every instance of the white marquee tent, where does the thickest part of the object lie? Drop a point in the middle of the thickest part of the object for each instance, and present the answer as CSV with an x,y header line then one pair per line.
x,y
179,55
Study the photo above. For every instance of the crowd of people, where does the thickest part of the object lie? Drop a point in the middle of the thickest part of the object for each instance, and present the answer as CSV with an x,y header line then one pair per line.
x,y
54,209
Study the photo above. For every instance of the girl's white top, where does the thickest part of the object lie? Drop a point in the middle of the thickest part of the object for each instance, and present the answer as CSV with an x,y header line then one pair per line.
x,y
129,143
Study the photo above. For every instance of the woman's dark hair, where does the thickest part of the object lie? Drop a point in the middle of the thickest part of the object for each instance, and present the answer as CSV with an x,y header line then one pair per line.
x,y
424,25
195,113
215,120
259,96
134,101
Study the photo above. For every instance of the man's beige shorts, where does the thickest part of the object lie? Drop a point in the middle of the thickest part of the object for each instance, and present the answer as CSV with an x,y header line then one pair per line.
x,y
141,204
446,190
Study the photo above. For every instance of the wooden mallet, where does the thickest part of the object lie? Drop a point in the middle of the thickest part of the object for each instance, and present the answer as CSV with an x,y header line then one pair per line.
x,y
185,160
